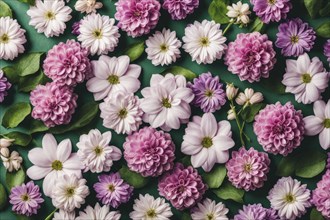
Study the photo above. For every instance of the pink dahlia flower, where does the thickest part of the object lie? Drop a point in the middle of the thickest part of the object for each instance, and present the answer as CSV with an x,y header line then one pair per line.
x,y
321,195
179,9
251,56
67,63
53,104
183,187
137,17
248,169
271,10
149,152
279,128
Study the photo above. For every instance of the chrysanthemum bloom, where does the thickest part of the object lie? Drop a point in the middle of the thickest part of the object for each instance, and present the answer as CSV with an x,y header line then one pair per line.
x,y
183,187
113,74
67,63
289,198
26,199
63,215
207,141
53,104
4,85
98,213
204,41
11,161
327,50
12,39
179,9
271,10
208,91
279,128
87,6
251,56
112,190
149,152
163,47
305,78
98,33
248,169
121,111
239,13
137,17
249,97
166,102
295,37
49,16
95,151
256,212
75,28
319,123
147,207
208,209
321,195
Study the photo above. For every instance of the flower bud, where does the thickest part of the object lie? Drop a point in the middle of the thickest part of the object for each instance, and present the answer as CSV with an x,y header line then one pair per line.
x,y
4,142
13,162
231,115
4,153
231,91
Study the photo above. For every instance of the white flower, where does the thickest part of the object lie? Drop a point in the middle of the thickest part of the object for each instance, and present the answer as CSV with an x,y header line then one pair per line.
x,y
5,142
204,41
207,141
63,215
249,97
98,213
305,78
149,208
49,16
11,161
319,123
210,210
231,91
163,47
121,112
239,13
52,161
98,33
69,192
231,114
95,152
289,198
12,38
87,6
113,74
166,102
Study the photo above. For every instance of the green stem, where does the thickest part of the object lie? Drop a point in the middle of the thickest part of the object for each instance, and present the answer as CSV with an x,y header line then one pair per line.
x,y
49,217
238,123
226,29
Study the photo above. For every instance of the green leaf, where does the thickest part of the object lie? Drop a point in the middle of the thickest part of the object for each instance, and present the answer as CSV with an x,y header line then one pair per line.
x,y
215,178
3,197
316,215
228,191
21,139
37,126
135,50
132,178
50,216
311,167
15,114
22,217
30,2
15,178
178,70
324,30
5,10
217,11
287,166
313,7
28,83
11,73
257,26
249,112
186,161
28,64
186,216
325,11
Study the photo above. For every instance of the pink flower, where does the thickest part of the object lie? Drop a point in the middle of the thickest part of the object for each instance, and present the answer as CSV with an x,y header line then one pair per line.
x,y
271,10
149,152
179,9
251,56
321,195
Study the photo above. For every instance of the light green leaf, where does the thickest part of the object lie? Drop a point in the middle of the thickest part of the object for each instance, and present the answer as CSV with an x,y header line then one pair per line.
x,y
228,191
313,7
287,166
11,73
178,70
28,83
257,26
50,216
21,139
316,215
132,178
28,64
5,10
249,112
37,126
217,11
3,197
135,50
311,167
324,30
15,114
215,178
325,11
15,178
30,2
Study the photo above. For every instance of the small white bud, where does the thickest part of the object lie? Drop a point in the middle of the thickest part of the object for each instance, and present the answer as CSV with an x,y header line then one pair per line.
x,y
231,115
231,91
4,142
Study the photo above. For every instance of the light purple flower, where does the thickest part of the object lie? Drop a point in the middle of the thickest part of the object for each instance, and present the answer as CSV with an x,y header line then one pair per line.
x,y
112,190
328,161
179,9
26,199
256,212
4,86
321,195
327,50
75,28
208,91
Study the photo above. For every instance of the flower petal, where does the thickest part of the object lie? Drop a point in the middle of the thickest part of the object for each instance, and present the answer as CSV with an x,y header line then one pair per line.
x,y
37,173
199,159
36,156
319,109
49,144
313,125
64,150
209,125
325,138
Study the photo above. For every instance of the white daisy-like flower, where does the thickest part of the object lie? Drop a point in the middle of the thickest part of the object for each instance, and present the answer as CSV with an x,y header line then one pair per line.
x,y
12,38
163,47
121,112
149,208
49,16
95,152
204,41
289,198
87,6
69,192
98,33
249,97
239,13
113,74
208,209
63,215
98,213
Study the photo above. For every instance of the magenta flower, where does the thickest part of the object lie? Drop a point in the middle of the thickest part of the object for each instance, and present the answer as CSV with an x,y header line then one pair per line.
x,y
328,161
256,212
149,152
53,104
179,9
251,56
75,28
137,17
183,187
327,50
4,86
67,63
26,199
279,128
321,195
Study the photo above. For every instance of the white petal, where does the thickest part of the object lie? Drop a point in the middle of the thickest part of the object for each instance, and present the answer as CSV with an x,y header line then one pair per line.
x,y
209,126
199,159
325,138
313,125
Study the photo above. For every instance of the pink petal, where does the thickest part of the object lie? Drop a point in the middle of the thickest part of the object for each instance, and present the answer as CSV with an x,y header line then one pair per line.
x,y
73,162
325,138
313,125
64,150
223,143
49,144
133,71
327,110
303,63
121,65
49,183
37,173
36,156
199,159
209,126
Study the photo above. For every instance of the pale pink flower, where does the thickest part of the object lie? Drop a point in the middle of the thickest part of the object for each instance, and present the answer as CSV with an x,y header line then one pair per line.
x,y
249,97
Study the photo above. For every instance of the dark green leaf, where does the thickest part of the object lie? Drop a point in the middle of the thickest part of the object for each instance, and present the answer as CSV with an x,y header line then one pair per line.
x,y
22,217
186,161
257,26
30,2
37,126
28,64
5,10
311,167
228,191
313,7
133,178
316,215
249,112
15,114
215,178
135,50
287,166
178,70
217,11
15,178
28,83
11,73
325,11
186,216
3,197
324,30
21,139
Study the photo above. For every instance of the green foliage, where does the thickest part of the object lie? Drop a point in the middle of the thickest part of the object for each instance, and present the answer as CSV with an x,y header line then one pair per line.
x,y
28,64
324,30
228,191
313,7
250,111
135,50
178,70
30,2
21,139
316,215
287,166
15,114
15,178
215,178
257,26
37,126
217,11
5,10
133,178
325,11
11,73
28,83
3,197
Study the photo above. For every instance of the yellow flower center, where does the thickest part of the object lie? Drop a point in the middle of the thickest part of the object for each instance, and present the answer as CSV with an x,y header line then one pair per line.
x,y
151,213
209,93
122,113
57,165
70,192
113,79
271,2
98,150
294,39
289,198
111,188
4,38
247,167
25,197
210,216
306,78
207,142
97,34
204,41
326,123
166,103
49,15
163,47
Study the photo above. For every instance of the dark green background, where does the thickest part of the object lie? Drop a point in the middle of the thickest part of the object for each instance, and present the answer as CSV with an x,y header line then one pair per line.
x,y
39,43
